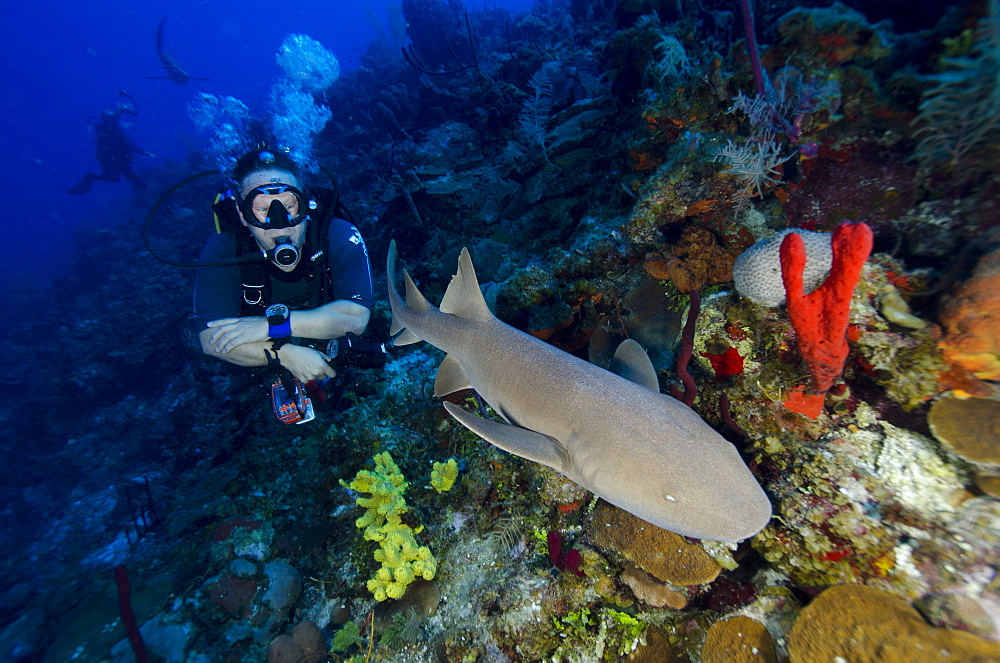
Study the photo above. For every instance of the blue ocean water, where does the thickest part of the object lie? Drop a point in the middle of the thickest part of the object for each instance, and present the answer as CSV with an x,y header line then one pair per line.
x,y
65,62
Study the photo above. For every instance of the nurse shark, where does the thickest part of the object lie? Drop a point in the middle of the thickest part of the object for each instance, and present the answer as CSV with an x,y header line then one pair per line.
x,y
612,433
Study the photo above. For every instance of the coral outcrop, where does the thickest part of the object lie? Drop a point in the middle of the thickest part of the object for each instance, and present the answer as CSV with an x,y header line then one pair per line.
x,y
861,624
694,262
970,427
661,565
971,318
305,643
738,639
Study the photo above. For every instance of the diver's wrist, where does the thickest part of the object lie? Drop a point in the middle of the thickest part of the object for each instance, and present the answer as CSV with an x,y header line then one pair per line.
x,y
279,321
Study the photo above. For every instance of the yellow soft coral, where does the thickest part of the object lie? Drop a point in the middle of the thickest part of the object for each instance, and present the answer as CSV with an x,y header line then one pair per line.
x,y
443,475
401,558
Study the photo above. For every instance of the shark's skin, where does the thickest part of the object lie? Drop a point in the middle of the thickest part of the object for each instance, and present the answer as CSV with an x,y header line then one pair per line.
x,y
619,438
175,72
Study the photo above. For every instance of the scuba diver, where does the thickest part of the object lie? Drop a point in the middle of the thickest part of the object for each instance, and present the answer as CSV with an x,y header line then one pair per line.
x,y
113,148
306,303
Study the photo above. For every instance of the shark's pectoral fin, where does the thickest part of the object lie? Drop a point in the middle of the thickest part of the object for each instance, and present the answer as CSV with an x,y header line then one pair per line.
x,y
450,378
406,338
632,363
519,441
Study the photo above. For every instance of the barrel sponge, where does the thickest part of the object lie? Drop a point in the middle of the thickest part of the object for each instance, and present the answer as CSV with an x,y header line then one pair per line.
x,y
757,272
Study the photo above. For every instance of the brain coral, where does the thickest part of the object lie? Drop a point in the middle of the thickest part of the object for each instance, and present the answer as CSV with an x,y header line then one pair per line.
x,y
738,639
970,427
660,557
864,625
757,272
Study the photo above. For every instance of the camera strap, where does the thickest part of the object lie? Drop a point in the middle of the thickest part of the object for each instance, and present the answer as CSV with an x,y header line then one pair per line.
x,y
274,363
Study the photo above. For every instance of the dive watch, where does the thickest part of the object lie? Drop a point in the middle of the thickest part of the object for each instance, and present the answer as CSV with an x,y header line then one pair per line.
x,y
279,321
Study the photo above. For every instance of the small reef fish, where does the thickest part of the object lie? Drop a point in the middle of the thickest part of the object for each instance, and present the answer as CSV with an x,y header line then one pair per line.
x,y
612,433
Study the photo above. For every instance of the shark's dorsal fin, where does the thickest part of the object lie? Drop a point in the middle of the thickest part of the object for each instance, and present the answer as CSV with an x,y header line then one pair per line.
x,y
450,378
520,441
632,363
463,296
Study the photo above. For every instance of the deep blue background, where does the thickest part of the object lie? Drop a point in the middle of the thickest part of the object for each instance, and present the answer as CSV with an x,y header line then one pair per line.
x,y
64,61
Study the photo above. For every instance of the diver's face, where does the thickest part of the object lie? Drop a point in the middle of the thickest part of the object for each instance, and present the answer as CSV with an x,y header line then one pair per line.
x,y
267,238
262,203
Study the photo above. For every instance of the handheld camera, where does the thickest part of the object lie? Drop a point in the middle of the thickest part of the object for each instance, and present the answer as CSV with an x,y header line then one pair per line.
x,y
291,404
289,398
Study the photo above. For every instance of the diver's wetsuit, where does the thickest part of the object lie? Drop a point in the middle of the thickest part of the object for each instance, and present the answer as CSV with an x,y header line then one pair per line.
x,y
114,151
219,291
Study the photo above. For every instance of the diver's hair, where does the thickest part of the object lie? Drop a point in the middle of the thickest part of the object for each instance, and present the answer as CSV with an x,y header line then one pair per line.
x,y
262,158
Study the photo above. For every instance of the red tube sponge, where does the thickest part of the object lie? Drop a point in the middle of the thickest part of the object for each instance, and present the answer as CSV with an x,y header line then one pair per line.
x,y
820,317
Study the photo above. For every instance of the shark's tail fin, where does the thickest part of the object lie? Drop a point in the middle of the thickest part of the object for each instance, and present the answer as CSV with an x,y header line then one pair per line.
x,y
159,35
414,300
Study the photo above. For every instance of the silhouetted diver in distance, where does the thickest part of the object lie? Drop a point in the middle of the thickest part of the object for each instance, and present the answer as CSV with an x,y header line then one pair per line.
x,y
114,150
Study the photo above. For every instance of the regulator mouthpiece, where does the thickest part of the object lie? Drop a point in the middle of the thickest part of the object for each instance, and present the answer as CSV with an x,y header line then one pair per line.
x,y
284,252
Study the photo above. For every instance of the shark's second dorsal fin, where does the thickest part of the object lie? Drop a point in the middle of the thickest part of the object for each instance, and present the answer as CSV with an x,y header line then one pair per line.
x,y
414,299
463,296
632,363
450,378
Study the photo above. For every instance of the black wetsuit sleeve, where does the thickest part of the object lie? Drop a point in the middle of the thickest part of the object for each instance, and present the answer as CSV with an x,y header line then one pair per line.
x,y
350,273
217,290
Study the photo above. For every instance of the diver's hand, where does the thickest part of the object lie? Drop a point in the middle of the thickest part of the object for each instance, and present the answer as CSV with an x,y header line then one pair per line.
x,y
231,332
305,363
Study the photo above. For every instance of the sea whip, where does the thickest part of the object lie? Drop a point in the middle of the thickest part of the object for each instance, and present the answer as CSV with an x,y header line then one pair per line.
x,y
746,7
128,617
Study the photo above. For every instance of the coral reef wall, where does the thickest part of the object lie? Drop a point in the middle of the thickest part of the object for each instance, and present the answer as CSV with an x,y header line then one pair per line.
x,y
603,163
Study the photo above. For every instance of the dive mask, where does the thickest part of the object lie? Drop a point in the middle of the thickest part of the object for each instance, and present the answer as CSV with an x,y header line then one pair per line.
x,y
277,216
